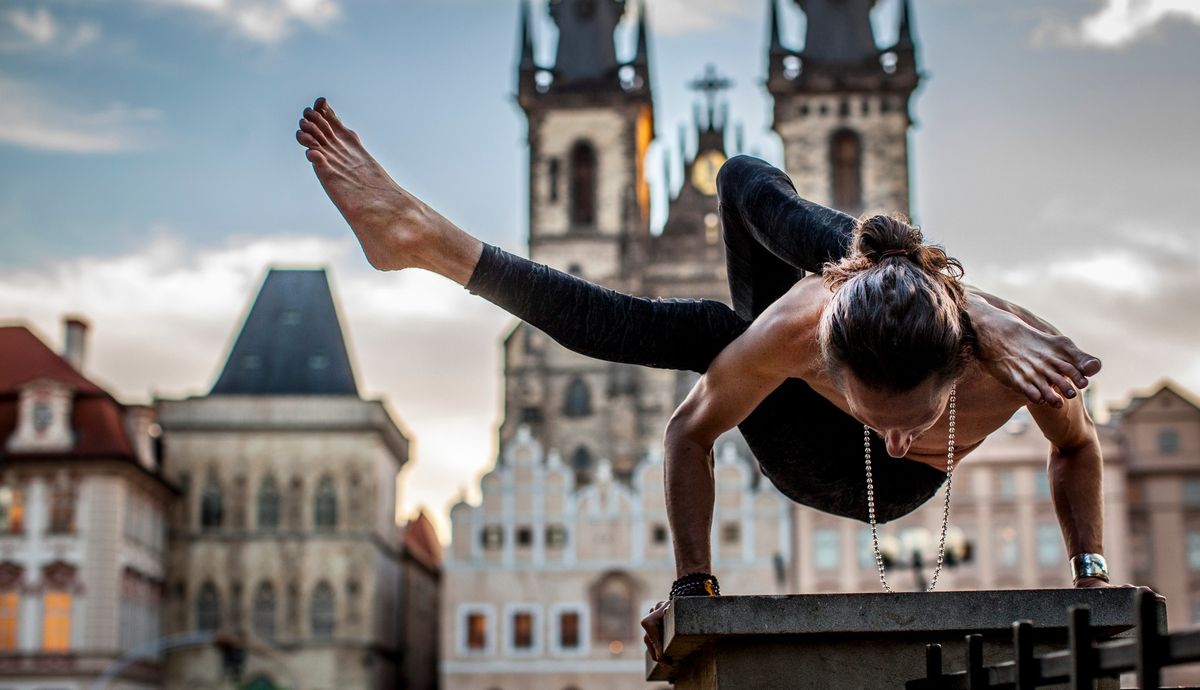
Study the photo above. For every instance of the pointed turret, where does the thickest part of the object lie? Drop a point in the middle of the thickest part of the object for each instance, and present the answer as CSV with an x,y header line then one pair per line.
x,y
773,32
905,39
526,63
906,70
526,66
642,57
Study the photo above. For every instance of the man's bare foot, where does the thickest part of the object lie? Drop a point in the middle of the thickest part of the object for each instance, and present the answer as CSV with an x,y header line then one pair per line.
x,y
396,229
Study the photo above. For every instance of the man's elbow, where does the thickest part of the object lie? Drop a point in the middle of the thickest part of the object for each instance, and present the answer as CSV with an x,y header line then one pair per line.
x,y
683,428
1085,445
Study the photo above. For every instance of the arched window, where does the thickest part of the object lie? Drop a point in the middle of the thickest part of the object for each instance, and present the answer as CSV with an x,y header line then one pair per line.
x,y
321,611
583,184
613,599
295,503
208,608
211,504
268,504
263,618
325,505
845,149
579,399
581,462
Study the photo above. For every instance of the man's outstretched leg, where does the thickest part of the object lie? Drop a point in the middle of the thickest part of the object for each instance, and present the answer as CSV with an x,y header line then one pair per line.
x,y
396,229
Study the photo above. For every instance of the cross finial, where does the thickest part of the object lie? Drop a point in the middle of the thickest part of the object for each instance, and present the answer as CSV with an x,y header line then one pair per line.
x,y
710,84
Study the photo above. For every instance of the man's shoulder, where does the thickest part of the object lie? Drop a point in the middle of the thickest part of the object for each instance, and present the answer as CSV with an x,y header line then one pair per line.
x,y
790,325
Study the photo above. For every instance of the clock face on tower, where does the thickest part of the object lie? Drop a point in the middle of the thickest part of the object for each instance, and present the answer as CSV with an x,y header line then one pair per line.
x,y
704,171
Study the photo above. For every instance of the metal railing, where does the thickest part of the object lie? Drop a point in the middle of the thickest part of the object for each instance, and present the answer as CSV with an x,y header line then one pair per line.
x,y
1080,664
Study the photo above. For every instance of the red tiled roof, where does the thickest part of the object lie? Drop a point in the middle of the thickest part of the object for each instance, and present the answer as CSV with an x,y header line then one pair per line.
x,y
421,541
24,358
96,418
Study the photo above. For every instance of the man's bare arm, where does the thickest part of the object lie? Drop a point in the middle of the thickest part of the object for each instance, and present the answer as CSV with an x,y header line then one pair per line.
x,y
1075,472
1025,352
737,380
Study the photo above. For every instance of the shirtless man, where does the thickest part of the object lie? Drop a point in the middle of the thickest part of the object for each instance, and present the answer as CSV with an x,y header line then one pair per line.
x,y
774,366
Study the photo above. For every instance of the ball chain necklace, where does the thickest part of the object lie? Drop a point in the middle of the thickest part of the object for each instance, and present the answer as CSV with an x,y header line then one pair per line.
x,y
945,512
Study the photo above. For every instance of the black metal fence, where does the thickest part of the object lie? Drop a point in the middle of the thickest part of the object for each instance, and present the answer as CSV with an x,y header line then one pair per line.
x,y
1080,665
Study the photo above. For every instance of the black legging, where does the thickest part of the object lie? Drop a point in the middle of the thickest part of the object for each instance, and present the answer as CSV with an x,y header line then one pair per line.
x,y
806,446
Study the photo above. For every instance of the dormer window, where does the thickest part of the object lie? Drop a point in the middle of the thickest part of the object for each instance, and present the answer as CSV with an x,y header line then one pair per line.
x,y
43,418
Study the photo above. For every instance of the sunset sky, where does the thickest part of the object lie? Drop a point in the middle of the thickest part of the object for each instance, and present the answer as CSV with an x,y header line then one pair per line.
x,y
149,176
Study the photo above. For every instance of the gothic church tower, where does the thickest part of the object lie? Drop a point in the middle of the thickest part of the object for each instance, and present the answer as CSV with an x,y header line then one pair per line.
x,y
842,106
590,120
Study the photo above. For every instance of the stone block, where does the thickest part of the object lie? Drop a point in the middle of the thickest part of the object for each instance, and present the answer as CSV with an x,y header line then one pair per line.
x,y
858,641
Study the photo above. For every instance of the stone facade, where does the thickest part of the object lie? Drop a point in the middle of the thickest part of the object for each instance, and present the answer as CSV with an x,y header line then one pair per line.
x,y
842,108
1000,510
546,581
285,539
1161,441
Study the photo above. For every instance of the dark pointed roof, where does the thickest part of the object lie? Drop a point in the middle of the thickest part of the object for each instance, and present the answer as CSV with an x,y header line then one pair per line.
x,y
839,31
291,342
585,39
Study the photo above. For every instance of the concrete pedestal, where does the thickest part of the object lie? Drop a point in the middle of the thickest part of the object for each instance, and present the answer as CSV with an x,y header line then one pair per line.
x,y
864,641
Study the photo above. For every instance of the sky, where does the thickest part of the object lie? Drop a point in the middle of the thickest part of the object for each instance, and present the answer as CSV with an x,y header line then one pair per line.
x,y
149,176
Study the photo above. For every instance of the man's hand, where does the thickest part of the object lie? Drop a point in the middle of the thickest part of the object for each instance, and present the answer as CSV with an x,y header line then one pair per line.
x,y
652,624
1095,582
1027,354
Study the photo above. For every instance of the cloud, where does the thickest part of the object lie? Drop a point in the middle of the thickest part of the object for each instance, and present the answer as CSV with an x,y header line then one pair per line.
x,y
22,30
38,26
677,17
1130,297
1117,23
264,21
33,120
163,318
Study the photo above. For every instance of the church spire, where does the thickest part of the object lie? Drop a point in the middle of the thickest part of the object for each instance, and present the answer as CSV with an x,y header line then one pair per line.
x,y
839,32
905,40
776,40
585,51
642,57
527,63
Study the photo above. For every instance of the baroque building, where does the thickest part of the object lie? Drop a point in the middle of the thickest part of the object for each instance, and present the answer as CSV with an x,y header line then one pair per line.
x,y
285,536
82,522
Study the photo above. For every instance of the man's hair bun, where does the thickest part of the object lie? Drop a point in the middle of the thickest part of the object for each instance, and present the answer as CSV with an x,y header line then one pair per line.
x,y
880,239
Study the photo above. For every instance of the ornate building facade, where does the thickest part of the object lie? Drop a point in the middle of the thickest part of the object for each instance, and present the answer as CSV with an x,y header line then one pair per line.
x,y
82,522
285,535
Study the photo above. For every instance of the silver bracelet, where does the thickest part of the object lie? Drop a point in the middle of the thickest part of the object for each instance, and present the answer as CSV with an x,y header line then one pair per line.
x,y
1088,565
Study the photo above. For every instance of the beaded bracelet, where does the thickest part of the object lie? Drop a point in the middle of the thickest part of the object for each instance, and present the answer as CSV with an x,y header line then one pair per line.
x,y
696,585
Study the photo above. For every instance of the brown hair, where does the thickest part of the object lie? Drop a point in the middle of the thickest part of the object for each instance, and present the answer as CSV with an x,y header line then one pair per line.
x,y
898,311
